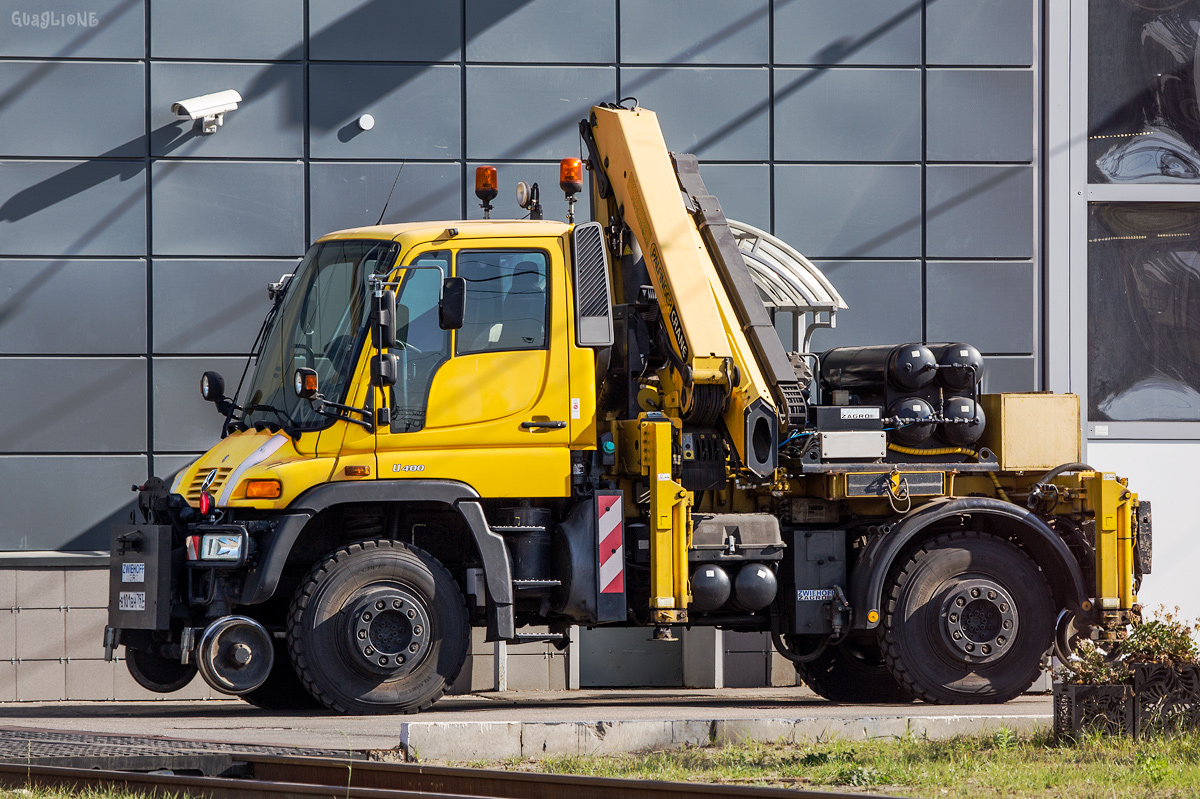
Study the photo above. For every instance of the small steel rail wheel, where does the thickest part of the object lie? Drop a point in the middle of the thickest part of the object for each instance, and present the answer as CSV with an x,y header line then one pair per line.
x,y
378,627
282,689
968,618
853,672
156,673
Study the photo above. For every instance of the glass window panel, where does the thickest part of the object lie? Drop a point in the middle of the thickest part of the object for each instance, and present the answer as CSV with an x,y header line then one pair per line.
x,y
1143,106
1144,312
421,344
506,300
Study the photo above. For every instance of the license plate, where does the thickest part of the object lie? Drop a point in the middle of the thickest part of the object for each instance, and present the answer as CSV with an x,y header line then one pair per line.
x,y
131,600
133,572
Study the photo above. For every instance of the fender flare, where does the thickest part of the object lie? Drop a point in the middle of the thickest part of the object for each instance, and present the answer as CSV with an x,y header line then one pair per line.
x,y
275,546
1048,550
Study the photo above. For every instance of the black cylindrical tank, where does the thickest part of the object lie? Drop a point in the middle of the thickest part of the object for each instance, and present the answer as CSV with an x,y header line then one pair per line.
x,y
907,432
530,545
909,367
964,422
711,587
755,587
960,366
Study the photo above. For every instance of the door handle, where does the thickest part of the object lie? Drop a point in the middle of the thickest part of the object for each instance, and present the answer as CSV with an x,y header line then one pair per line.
x,y
548,425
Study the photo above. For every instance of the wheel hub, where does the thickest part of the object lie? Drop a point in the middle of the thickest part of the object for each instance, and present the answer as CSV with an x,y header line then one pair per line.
x,y
979,620
388,630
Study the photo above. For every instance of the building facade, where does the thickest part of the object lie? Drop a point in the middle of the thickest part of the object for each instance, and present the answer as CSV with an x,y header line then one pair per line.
x,y
960,169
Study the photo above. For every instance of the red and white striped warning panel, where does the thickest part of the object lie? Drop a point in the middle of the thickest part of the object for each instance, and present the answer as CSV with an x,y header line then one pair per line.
x,y
610,530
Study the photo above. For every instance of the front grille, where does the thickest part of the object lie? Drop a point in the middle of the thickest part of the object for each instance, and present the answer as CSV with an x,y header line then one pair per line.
x,y
193,489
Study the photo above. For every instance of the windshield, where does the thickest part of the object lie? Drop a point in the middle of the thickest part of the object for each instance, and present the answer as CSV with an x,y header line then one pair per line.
x,y
320,325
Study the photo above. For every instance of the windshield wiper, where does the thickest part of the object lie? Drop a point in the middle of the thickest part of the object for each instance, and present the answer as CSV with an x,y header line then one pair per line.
x,y
288,425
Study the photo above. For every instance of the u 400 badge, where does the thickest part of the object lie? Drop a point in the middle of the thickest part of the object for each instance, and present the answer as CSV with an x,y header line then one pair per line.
x,y
400,467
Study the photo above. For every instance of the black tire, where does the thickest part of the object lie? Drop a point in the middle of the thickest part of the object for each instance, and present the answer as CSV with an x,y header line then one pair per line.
x,y
853,673
283,689
156,673
378,627
967,620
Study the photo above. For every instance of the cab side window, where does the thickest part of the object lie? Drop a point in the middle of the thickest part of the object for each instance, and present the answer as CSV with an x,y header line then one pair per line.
x,y
506,300
421,345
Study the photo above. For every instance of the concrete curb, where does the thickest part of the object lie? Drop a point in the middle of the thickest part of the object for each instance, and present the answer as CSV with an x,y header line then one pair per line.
x,y
468,741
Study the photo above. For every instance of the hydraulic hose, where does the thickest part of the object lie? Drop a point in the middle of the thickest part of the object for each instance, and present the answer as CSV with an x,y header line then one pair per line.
x,y
961,451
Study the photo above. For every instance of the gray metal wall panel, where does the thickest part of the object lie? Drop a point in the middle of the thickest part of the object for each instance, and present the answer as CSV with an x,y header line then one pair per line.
x,y
531,112
183,422
695,31
554,202
228,208
989,304
72,307
384,30
979,211
744,191
1009,374
268,123
980,114
72,109
203,307
713,112
100,497
345,195
262,30
73,207
840,114
849,211
848,32
416,111
996,32
523,31
167,466
58,29
84,405
885,303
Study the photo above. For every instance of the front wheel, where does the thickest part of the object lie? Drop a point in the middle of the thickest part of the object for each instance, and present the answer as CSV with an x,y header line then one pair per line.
x,y
968,618
378,627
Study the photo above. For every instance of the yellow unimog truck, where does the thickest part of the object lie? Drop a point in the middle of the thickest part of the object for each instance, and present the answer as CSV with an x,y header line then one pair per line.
x,y
531,423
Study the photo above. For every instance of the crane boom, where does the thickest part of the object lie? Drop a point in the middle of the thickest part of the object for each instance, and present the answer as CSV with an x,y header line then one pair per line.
x,y
736,370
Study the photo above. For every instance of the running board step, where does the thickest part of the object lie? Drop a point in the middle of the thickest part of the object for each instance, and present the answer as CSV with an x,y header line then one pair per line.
x,y
533,638
517,530
531,584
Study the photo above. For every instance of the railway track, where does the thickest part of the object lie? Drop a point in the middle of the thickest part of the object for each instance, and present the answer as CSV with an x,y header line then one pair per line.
x,y
272,777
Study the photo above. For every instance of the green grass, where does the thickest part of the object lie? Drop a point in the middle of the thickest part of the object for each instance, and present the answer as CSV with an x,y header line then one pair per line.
x,y
1002,764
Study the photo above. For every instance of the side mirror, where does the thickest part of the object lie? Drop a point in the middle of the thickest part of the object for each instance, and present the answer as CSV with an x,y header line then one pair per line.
x,y
306,383
212,387
383,370
383,319
453,306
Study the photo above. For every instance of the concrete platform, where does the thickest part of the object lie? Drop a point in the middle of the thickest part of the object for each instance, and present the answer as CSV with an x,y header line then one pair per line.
x,y
535,724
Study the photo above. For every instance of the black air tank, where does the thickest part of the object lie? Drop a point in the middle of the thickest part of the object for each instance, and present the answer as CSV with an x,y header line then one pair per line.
x,y
908,367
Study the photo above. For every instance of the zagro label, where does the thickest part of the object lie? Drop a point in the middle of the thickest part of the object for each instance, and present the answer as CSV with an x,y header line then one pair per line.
x,y
814,595
860,413
133,572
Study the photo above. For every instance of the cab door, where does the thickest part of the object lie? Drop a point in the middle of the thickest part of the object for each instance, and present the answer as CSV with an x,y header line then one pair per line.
x,y
487,405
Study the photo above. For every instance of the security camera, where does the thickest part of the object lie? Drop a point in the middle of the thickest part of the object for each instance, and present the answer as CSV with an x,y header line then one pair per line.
x,y
209,108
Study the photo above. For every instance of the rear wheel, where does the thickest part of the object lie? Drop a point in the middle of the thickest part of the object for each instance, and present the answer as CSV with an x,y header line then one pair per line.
x,y
378,627
853,673
967,620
